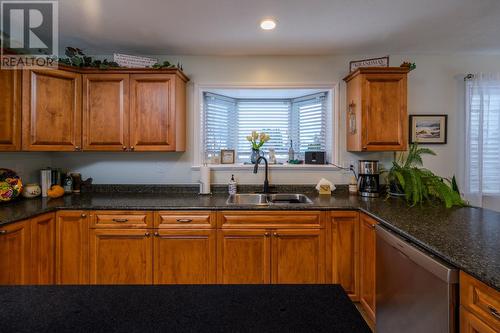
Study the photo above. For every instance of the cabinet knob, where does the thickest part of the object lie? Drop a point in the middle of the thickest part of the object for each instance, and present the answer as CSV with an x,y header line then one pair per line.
x,y
267,234
77,148
157,234
147,234
3,232
276,234
132,148
84,215
124,148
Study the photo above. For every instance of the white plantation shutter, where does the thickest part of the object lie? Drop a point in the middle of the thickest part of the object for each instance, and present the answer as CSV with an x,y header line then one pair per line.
x,y
228,121
310,127
218,117
483,136
270,116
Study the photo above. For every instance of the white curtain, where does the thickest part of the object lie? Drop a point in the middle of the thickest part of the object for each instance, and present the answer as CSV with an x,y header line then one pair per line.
x,y
482,144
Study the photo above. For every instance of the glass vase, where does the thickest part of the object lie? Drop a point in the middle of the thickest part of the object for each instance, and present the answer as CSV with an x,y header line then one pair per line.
x,y
255,155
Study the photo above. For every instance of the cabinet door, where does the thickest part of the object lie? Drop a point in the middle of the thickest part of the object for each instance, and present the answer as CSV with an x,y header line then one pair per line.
x,y
52,110
105,112
121,256
184,256
367,264
72,246
472,324
43,249
152,112
344,251
15,253
243,257
10,110
385,122
298,256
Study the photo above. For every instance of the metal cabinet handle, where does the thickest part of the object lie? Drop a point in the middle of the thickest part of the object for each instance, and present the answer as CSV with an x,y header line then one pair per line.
x,y
267,234
3,232
147,234
276,234
120,220
124,148
83,215
352,118
77,148
132,148
157,234
184,220
494,312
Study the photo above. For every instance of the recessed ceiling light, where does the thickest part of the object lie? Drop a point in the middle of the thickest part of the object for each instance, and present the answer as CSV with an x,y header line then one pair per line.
x,y
268,24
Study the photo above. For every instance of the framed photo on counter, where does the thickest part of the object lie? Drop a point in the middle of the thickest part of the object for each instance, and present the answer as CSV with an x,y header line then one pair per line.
x,y
428,129
227,156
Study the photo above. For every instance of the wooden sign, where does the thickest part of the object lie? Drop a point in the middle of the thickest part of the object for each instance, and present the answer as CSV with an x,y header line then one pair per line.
x,y
373,62
131,61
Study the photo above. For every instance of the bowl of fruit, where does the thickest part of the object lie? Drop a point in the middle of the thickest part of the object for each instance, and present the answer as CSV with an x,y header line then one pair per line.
x,y
10,185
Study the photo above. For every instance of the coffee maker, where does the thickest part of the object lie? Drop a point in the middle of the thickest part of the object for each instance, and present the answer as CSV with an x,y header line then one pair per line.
x,y
368,178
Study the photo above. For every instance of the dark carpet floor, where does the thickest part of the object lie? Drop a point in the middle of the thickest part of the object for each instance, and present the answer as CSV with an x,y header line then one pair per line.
x,y
179,308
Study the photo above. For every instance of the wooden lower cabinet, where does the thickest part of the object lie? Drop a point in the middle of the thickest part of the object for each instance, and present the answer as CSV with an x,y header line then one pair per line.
x,y
184,257
367,264
244,256
343,251
298,256
469,323
72,247
43,249
261,256
15,253
121,256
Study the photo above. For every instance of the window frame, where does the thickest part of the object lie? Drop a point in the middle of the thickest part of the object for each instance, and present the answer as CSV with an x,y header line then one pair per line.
x,y
333,105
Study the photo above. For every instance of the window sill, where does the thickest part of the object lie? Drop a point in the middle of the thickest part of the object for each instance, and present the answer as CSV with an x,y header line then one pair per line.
x,y
289,167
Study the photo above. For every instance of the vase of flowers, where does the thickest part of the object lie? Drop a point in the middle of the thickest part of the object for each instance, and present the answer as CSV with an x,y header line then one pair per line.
x,y
257,140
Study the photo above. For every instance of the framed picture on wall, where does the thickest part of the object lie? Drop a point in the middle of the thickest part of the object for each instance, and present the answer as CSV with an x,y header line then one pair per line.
x,y
428,129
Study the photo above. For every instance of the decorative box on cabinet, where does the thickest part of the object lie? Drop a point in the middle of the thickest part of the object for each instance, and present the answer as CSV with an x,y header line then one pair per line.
x,y
376,118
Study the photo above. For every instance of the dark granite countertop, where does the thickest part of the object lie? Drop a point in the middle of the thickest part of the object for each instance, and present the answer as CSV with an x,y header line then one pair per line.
x,y
468,238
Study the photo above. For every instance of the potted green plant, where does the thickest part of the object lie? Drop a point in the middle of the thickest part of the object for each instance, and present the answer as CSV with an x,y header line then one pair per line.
x,y
407,178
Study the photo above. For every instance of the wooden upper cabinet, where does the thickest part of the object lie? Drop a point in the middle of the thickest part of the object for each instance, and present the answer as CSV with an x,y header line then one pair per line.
x,y
43,249
376,118
72,247
10,110
343,251
15,253
121,256
52,109
105,112
153,116
298,256
367,264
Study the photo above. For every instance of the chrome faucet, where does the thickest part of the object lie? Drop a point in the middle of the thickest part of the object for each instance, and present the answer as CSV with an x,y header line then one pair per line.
x,y
256,168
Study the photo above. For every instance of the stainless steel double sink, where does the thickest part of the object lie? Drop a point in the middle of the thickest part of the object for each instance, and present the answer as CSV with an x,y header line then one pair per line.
x,y
258,199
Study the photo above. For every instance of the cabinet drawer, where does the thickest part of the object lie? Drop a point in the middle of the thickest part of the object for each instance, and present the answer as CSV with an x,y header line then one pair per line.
x,y
122,219
185,220
480,300
270,219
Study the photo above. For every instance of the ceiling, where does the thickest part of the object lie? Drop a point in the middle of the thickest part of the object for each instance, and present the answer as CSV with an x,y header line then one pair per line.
x,y
305,27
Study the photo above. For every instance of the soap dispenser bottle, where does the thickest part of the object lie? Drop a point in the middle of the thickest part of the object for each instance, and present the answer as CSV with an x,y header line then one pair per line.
x,y
232,188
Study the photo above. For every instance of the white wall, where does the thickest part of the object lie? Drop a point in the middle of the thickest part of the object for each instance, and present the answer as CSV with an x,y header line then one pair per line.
x,y
435,87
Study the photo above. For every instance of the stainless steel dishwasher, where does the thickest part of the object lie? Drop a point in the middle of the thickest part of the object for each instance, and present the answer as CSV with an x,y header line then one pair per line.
x,y
416,292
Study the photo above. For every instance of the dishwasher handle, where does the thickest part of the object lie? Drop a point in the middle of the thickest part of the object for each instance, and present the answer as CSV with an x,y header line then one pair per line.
x,y
431,264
